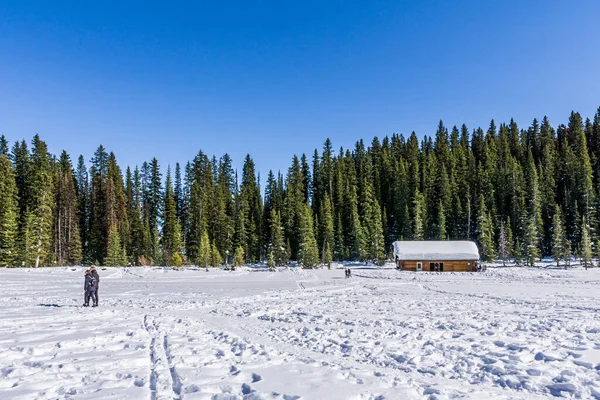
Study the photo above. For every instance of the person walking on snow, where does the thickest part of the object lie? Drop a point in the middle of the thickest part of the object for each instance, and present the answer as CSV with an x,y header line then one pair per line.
x,y
89,287
97,278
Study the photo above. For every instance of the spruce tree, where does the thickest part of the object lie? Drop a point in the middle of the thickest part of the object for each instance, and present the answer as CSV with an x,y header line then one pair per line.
x,y
67,243
418,216
271,261
517,253
503,247
41,202
531,242
115,255
154,199
250,193
373,229
534,223
559,240
215,257
83,204
171,231
277,247
4,147
327,230
308,253
441,233
99,223
8,214
204,252
510,239
238,257
292,206
586,245
178,192
485,233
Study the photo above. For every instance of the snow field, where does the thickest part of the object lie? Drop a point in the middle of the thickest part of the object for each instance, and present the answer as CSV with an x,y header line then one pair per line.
x,y
252,334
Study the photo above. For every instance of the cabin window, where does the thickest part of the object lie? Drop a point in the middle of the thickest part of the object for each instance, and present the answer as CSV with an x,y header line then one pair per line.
x,y
419,267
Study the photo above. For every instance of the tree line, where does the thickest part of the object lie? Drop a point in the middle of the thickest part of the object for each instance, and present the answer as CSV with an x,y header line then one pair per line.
x,y
519,193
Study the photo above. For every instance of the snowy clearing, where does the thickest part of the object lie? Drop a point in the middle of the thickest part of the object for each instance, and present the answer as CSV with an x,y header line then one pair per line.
x,y
383,334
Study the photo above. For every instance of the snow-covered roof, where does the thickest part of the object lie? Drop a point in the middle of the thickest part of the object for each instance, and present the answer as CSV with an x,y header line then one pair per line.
x,y
459,250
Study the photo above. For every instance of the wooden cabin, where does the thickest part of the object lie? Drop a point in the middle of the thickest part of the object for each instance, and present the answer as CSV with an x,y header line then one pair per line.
x,y
442,256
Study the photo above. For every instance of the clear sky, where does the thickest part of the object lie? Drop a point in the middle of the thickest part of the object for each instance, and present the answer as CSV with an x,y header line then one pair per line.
x,y
276,78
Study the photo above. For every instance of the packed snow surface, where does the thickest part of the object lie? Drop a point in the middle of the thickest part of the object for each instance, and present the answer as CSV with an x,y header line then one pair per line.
x,y
451,250
295,334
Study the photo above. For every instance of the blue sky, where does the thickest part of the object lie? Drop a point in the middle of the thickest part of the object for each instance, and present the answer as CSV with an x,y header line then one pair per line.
x,y
275,79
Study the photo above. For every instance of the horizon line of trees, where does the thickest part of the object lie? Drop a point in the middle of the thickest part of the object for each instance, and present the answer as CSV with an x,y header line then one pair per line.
x,y
519,193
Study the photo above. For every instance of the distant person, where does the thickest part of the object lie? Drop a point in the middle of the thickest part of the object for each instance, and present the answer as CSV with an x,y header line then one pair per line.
x,y
89,287
97,278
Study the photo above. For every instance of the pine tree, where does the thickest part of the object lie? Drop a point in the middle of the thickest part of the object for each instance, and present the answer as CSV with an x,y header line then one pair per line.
x,y
223,226
485,232
178,192
327,230
83,204
503,246
238,257
586,245
534,224
204,253
4,147
135,249
8,213
115,255
373,229
510,239
559,240
154,199
171,233
41,201
67,243
215,256
202,180
250,193
99,223
271,263
517,253
418,216
441,223
277,247
531,244
308,253
292,206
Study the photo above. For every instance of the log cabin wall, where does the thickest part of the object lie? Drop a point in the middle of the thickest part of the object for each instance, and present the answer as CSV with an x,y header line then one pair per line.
x,y
445,265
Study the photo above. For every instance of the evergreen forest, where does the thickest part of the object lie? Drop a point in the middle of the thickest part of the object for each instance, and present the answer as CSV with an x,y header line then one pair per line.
x,y
519,193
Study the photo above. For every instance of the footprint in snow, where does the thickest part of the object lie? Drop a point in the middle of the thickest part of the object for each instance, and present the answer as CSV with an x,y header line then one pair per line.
x,y
246,389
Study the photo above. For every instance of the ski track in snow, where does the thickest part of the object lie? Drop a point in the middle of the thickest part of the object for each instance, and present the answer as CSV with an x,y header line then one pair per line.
x,y
383,334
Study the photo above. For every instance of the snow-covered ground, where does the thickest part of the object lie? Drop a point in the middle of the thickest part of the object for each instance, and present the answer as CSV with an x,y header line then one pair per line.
x,y
509,333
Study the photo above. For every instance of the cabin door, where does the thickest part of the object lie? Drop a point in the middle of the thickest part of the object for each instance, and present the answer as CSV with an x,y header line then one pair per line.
x,y
419,266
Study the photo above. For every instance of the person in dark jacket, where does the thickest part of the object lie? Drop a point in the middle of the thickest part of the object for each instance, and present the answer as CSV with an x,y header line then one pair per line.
x,y
89,287
97,278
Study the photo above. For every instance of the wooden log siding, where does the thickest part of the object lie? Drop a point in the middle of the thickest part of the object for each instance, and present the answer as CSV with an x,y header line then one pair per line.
x,y
448,265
